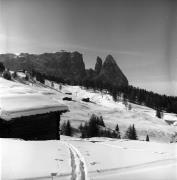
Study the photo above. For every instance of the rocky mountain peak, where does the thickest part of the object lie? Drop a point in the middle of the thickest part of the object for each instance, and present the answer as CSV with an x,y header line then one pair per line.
x,y
111,73
77,66
68,66
98,65
110,60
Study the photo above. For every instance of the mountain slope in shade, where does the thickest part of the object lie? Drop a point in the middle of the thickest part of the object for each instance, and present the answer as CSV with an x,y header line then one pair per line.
x,y
68,66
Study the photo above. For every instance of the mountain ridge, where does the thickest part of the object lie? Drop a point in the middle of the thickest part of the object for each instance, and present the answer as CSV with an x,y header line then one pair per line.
x,y
69,66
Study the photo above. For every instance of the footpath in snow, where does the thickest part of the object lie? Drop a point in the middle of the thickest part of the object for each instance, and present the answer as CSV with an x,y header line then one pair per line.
x,y
79,169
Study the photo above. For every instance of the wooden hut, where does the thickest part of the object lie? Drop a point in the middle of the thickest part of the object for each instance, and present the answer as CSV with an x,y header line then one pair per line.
x,y
28,116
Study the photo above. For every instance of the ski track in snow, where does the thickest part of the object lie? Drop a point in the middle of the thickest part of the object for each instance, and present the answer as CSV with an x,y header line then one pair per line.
x,y
78,164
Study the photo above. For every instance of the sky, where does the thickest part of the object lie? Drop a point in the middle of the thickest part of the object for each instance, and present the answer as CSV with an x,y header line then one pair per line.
x,y
140,34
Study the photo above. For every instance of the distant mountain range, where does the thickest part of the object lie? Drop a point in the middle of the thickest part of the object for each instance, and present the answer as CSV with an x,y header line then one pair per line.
x,y
68,66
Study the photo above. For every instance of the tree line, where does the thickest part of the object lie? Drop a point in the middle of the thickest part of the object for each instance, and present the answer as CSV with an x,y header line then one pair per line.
x,y
135,95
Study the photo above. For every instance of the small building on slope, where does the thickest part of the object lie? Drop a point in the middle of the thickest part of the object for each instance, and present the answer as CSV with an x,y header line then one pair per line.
x,y
28,114
170,118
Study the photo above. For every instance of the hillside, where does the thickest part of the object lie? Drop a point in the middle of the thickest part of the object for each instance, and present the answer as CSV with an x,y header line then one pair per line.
x,y
116,113
102,104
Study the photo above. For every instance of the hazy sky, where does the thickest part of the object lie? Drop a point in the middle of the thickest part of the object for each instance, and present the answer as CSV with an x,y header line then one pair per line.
x,y
140,34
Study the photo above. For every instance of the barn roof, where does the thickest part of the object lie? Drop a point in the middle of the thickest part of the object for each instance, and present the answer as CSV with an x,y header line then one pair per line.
x,y
17,100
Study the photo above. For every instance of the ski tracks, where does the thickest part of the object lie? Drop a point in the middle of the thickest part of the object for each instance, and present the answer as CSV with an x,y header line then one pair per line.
x,y
78,164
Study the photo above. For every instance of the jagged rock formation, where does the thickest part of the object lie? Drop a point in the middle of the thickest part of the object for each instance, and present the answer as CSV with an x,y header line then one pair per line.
x,y
111,73
67,65
98,65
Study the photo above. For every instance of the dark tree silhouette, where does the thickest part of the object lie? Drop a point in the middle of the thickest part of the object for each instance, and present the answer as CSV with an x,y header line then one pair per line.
x,y
2,68
14,75
147,137
93,128
66,129
7,75
131,133
117,131
159,113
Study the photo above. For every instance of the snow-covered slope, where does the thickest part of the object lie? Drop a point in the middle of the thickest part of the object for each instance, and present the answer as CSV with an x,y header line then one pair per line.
x,y
32,159
113,113
94,158
116,113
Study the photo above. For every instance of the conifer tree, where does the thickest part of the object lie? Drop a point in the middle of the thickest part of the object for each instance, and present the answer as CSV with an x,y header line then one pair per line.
x,y
128,132
125,100
14,75
2,68
134,134
84,131
158,113
147,137
93,129
63,127
80,127
68,130
101,122
131,133
114,94
117,131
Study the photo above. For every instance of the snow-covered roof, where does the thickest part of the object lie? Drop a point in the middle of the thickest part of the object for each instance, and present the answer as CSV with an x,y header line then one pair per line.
x,y
17,100
170,117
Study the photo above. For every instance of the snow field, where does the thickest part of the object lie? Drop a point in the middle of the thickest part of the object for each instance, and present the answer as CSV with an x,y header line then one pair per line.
x,y
123,159
33,159
83,159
